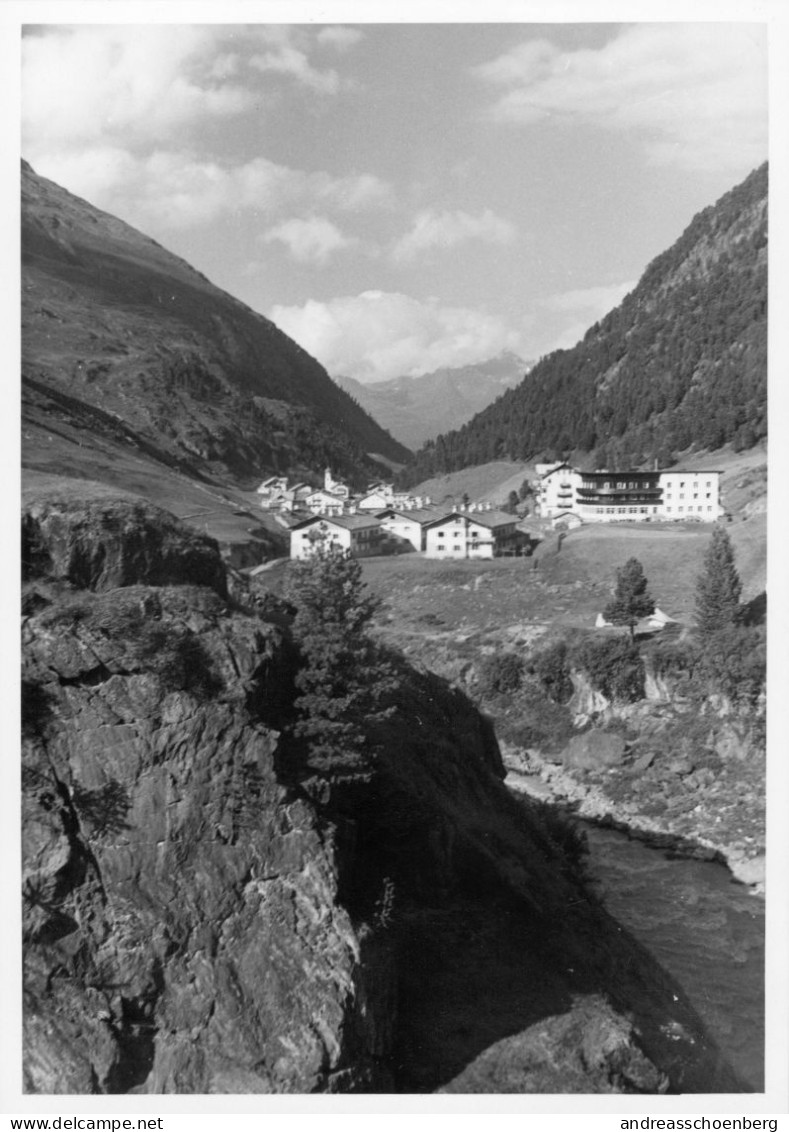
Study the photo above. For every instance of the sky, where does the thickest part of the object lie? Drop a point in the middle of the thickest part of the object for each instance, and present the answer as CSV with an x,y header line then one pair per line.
x,y
402,197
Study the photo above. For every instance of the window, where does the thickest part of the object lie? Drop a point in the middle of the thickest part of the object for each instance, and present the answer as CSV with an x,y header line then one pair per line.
x,y
681,483
668,509
680,508
682,496
696,484
695,495
709,508
708,495
440,534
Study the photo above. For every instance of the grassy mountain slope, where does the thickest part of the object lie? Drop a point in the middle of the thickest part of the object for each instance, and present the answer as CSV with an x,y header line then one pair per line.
x,y
414,409
680,363
122,339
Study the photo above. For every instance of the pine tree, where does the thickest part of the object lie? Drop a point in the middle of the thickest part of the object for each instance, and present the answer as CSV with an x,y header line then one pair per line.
x,y
718,587
344,676
631,600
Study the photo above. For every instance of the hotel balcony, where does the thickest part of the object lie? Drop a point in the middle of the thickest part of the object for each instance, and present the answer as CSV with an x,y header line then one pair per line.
x,y
607,492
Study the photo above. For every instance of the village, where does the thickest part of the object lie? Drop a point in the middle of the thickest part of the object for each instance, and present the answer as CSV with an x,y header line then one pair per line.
x,y
383,521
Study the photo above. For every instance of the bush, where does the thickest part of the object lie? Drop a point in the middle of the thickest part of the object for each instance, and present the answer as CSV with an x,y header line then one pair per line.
x,y
614,666
551,666
500,673
733,663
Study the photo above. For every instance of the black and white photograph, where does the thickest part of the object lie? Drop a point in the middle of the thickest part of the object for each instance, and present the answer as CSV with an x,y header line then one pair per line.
x,y
394,560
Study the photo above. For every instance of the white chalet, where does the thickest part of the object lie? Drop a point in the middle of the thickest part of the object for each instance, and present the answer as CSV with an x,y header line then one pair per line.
x,y
375,500
477,534
322,502
359,535
408,525
556,491
272,485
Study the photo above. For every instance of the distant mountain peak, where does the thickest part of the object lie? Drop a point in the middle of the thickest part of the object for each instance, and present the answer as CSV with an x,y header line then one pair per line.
x,y
416,408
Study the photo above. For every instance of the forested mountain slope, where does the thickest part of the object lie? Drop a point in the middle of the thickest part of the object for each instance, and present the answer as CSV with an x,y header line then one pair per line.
x,y
124,339
681,362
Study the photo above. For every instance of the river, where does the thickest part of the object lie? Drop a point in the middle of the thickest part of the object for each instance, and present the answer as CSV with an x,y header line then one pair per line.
x,y
706,930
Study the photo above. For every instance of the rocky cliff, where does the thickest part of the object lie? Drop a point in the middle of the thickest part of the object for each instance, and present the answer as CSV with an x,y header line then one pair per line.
x,y
200,917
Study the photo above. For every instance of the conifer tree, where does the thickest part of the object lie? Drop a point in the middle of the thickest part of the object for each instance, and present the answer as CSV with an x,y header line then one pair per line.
x,y
631,600
344,676
718,587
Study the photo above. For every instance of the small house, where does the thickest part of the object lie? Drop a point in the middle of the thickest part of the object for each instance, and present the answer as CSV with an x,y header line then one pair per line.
x,y
358,535
408,526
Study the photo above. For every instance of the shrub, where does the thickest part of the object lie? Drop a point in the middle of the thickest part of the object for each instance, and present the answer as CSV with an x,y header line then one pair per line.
x,y
499,673
733,663
614,666
551,666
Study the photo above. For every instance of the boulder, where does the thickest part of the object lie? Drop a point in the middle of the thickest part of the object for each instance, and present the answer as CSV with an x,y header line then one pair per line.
x,y
594,750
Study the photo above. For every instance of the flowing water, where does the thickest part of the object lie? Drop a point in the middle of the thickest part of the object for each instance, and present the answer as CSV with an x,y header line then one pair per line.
x,y
703,928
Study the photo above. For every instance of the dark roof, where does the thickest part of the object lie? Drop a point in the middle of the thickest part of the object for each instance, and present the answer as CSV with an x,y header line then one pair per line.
x,y
349,522
421,515
485,518
493,518
556,468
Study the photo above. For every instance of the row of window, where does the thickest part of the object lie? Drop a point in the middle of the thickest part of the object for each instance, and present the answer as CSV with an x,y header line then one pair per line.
x,y
700,508
708,495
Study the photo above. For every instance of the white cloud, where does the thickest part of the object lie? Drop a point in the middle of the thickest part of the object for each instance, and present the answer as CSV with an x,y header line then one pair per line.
x,y
694,94
588,305
287,51
122,84
169,190
378,335
311,240
117,114
441,230
595,300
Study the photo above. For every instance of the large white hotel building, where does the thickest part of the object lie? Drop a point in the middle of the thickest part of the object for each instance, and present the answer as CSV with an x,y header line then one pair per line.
x,y
605,496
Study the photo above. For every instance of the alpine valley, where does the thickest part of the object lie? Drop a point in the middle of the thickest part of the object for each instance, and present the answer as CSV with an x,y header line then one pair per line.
x,y
207,911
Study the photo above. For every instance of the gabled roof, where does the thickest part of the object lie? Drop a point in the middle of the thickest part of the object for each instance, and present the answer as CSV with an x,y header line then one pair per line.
x,y
557,468
421,515
348,522
492,518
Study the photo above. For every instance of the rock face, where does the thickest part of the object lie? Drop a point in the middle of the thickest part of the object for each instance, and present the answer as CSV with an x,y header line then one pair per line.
x,y
201,918
105,542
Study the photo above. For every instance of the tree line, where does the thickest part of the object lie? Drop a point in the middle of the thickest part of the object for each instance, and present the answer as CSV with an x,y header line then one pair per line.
x,y
680,362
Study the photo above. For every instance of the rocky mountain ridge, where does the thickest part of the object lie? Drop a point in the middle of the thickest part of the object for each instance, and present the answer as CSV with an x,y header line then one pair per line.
x,y
122,339
181,875
414,409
